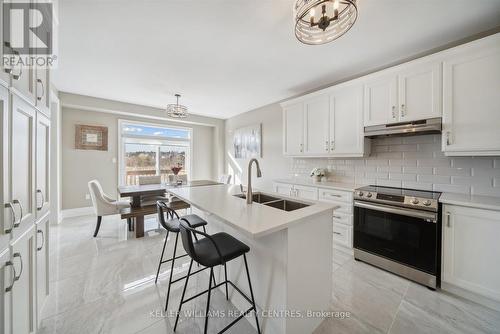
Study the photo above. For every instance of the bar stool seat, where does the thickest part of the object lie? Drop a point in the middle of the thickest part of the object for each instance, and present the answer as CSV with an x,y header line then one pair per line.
x,y
229,247
172,225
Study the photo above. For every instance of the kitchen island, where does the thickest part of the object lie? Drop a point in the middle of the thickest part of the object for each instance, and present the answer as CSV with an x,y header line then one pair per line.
x,y
290,258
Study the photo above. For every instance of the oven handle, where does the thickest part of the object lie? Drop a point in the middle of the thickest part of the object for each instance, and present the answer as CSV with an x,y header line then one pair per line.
x,y
430,217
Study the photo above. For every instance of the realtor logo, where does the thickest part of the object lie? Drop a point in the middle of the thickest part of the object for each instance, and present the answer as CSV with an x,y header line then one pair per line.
x,y
27,28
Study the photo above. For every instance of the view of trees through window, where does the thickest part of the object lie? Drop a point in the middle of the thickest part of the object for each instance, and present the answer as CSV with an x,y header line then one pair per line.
x,y
154,151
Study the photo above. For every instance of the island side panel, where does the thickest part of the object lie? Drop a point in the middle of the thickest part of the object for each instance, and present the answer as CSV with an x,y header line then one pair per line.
x,y
309,271
267,265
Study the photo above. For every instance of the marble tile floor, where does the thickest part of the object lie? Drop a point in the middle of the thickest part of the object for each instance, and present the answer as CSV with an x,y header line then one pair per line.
x,y
106,285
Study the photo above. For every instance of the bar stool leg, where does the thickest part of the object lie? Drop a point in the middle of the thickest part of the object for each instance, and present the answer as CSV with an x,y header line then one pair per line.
x,y
183,294
251,293
172,271
208,298
161,258
225,276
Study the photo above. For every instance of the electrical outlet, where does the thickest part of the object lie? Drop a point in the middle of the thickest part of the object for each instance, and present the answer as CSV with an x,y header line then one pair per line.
x,y
87,196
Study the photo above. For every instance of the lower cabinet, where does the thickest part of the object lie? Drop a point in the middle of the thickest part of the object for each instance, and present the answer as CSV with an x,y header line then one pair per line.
x,y
23,290
471,250
292,190
42,263
6,281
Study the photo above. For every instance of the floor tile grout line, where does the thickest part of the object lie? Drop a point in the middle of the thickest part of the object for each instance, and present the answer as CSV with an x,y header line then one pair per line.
x,y
399,307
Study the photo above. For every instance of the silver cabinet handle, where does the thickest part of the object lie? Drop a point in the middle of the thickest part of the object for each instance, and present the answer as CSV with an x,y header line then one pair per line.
x,y
448,218
17,76
332,145
301,146
326,146
393,111
38,191
39,81
16,278
13,224
7,70
337,233
21,209
43,240
402,110
337,217
448,138
332,195
13,268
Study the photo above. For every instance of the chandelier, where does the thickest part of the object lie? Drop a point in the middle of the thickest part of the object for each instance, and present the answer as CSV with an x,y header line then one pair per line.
x,y
177,110
322,21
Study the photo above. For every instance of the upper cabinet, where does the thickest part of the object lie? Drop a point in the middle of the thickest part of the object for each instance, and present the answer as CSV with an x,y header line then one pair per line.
x,y
327,124
471,98
406,93
4,70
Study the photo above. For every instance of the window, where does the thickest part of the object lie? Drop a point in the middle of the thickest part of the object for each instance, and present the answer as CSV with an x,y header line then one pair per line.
x,y
152,149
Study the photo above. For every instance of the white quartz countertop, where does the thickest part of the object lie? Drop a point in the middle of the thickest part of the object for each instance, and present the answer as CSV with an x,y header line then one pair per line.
x,y
327,184
474,201
256,219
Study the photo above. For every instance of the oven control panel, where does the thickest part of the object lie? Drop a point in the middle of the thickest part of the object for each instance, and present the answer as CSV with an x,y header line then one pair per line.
x,y
409,201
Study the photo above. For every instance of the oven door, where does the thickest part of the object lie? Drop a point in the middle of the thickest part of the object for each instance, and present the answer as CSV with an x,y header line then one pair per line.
x,y
404,235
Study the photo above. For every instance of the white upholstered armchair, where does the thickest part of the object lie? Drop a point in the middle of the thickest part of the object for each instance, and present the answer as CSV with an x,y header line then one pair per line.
x,y
103,204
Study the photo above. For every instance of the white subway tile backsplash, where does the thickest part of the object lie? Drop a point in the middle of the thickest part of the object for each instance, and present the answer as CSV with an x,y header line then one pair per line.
x,y
412,162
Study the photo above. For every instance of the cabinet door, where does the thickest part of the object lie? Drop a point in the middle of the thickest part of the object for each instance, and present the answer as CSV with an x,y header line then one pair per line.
x,y
41,77
380,103
6,217
4,70
316,127
420,92
23,296
42,263
470,238
6,282
294,129
283,189
22,163
42,164
471,106
346,121
306,192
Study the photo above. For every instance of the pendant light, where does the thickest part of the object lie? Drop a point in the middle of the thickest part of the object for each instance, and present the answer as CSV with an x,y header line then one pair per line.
x,y
177,110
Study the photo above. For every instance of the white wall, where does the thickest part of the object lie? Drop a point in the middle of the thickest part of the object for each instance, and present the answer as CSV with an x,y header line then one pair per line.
x,y
272,163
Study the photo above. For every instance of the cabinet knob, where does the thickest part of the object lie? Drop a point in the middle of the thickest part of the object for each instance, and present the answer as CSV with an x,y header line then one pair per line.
x,y
393,111
448,138
402,110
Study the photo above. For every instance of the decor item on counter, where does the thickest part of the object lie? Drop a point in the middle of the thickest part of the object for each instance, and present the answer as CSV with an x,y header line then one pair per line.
x,y
247,142
91,137
176,170
317,174
322,21
177,110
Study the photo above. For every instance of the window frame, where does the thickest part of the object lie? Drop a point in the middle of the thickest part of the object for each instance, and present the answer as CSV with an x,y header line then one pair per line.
x,y
121,144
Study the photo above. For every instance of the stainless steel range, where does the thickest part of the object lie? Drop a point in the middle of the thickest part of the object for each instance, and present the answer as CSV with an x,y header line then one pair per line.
x,y
399,230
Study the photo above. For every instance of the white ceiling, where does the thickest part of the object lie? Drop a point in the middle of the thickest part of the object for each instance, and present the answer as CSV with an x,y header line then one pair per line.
x,y
230,56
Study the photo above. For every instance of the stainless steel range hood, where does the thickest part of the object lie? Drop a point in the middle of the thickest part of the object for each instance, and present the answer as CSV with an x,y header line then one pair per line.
x,y
425,126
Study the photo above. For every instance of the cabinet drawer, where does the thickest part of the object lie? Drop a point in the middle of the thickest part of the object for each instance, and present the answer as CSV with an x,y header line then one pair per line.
x,y
343,207
329,195
342,235
342,218
305,192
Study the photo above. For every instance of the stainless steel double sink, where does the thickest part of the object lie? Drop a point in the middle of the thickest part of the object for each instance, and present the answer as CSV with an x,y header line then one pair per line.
x,y
275,202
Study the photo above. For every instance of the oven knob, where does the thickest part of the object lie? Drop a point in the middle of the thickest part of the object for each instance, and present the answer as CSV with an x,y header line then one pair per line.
x,y
414,201
369,195
360,193
427,203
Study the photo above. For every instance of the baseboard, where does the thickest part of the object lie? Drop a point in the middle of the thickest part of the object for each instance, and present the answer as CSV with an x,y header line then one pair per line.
x,y
472,296
77,212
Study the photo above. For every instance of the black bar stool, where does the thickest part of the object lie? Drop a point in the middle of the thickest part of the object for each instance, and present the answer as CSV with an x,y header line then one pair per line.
x,y
171,224
210,251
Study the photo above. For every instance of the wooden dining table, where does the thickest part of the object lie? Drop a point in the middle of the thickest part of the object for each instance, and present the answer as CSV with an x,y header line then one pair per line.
x,y
136,192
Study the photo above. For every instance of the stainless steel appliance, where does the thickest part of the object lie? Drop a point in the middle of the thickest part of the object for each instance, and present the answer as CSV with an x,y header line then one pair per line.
x,y
424,126
399,230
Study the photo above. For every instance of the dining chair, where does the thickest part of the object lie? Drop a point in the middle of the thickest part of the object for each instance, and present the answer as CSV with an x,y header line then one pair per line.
x,y
225,179
150,179
105,205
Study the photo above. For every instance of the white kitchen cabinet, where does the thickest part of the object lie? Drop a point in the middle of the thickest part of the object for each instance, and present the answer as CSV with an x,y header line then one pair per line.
x,y
471,105
470,249
342,235
420,93
317,112
6,218
305,192
283,189
6,282
380,102
4,70
293,129
42,165
23,290
42,263
22,163
346,133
